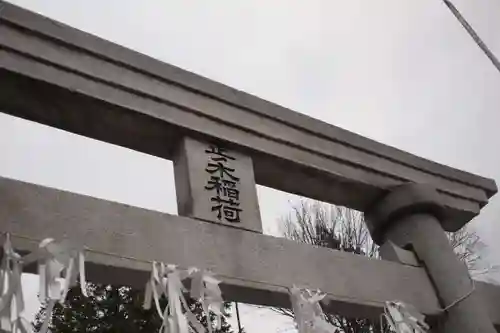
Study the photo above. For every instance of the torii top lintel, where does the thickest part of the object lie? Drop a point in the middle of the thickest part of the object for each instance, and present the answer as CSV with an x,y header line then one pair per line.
x,y
62,77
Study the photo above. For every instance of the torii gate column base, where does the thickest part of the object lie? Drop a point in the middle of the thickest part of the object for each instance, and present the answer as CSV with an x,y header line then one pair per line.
x,y
409,217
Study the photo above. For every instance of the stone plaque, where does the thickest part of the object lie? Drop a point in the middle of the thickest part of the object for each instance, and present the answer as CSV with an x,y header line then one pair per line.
x,y
216,184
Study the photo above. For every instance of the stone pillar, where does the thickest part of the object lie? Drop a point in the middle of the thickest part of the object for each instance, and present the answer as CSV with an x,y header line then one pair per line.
x,y
216,184
409,217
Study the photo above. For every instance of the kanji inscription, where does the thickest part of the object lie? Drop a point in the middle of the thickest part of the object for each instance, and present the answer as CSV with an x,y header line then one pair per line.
x,y
216,184
224,185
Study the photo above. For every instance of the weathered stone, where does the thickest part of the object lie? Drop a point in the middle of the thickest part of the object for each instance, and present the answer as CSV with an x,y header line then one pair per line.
x,y
216,184
408,217
63,77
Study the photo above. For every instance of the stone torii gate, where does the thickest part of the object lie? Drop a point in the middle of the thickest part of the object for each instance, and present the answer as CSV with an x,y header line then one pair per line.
x,y
223,142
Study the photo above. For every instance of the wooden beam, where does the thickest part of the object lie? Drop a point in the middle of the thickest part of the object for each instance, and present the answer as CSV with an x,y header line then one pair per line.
x,y
51,73
123,240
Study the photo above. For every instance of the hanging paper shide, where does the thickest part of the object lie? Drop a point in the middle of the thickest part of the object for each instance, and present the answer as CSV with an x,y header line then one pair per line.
x,y
11,300
166,280
62,264
56,262
403,318
309,317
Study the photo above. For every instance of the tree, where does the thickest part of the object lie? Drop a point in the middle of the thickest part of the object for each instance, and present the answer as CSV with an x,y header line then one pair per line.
x,y
112,309
344,229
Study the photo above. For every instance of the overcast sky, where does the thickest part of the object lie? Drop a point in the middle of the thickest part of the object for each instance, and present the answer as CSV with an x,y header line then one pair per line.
x,y
401,72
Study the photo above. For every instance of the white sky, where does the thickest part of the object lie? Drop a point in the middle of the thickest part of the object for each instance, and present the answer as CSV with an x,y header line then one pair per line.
x,y
401,72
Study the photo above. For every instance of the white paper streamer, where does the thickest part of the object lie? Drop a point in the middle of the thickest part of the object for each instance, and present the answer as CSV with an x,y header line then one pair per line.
x,y
11,295
309,316
176,317
56,261
403,318
205,289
